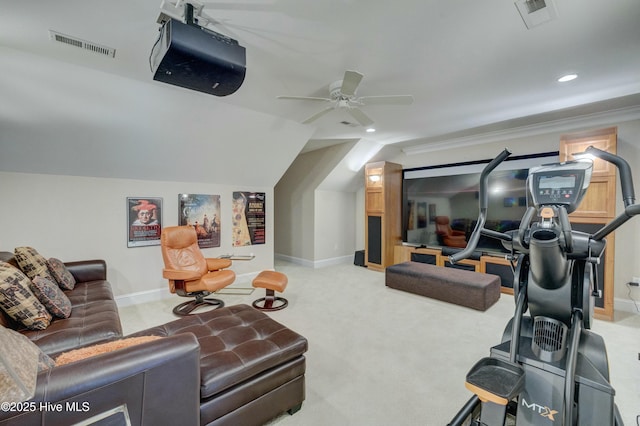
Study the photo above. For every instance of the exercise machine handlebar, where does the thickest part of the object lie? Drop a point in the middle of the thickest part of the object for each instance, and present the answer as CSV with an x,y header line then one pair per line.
x,y
626,185
626,181
484,202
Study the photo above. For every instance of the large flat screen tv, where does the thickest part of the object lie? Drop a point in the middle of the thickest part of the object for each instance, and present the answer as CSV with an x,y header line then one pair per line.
x,y
440,203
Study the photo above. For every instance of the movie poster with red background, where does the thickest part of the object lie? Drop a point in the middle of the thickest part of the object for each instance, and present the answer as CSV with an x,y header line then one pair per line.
x,y
144,219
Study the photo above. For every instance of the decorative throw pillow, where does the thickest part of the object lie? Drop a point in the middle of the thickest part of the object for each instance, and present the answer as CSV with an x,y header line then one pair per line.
x,y
25,360
32,263
89,351
17,300
50,295
63,277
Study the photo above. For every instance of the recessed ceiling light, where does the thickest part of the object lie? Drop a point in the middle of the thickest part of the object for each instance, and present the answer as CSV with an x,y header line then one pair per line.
x,y
567,77
371,130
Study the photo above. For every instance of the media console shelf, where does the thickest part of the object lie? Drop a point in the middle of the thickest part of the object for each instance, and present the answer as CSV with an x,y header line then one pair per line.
x,y
432,255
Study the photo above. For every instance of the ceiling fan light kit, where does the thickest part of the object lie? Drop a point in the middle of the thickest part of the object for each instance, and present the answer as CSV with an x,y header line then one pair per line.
x,y
342,95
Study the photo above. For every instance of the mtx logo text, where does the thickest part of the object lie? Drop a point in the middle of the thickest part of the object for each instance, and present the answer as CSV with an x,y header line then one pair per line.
x,y
543,411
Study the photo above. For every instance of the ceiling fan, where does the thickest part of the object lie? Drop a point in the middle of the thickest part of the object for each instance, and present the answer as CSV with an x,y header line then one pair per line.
x,y
342,94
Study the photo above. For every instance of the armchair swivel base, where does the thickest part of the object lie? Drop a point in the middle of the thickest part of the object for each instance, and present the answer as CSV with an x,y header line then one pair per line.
x,y
187,307
214,280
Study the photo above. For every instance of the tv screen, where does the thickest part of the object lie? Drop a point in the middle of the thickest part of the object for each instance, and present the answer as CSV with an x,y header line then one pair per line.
x,y
440,204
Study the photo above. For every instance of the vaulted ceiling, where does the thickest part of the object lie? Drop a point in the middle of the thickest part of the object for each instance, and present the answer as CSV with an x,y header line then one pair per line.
x,y
468,65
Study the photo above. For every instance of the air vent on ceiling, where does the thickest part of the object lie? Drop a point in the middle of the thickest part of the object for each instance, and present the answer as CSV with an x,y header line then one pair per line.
x,y
348,123
536,12
82,44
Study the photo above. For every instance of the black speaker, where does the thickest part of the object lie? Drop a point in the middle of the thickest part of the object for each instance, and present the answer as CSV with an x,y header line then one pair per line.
x,y
503,271
374,247
196,58
430,259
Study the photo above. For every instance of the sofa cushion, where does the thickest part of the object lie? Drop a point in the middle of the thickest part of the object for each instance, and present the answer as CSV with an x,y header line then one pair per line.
x,y
102,348
17,300
32,263
50,295
94,319
59,271
26,360
7,321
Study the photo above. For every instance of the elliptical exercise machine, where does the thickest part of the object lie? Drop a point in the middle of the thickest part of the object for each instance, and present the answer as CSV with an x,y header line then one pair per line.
x,y
549,369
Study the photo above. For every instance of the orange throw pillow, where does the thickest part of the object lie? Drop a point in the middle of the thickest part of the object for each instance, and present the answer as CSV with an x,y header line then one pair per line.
x,y
89,351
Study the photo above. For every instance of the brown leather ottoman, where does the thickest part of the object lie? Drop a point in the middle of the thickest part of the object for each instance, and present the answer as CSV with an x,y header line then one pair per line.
x,y
465,288
252,367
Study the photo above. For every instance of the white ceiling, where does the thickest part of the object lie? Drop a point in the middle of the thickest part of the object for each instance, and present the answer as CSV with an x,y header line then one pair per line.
x,y
468,64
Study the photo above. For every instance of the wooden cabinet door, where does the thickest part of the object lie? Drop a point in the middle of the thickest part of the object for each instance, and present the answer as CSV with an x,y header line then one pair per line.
x,y
599,203
600,199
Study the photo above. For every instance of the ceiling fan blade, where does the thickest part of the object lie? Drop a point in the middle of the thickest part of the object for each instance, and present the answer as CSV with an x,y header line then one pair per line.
x,y
317,115
386,100
360,117
304,98
350,82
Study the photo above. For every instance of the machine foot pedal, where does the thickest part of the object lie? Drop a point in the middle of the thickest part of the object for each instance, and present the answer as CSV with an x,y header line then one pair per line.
x,y
495,380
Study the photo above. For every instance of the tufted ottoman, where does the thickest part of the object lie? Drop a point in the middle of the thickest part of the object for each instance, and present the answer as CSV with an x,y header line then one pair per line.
x,y
251,367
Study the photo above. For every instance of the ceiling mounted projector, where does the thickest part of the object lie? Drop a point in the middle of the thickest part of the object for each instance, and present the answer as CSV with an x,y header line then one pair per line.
x,y
194,57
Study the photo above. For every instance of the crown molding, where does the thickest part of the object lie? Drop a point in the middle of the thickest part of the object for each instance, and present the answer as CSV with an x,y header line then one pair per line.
x,y
563,125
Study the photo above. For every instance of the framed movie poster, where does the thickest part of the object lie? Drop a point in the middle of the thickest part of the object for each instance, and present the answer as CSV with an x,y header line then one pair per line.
x,y
432,213
422,215
412,214
203,213
144,221
248,218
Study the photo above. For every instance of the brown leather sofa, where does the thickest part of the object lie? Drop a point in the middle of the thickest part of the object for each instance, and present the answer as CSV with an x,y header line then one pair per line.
x,y
94,317
229,366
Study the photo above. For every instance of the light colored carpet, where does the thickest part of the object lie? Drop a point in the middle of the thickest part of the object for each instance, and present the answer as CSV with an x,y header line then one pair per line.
x,y
379,356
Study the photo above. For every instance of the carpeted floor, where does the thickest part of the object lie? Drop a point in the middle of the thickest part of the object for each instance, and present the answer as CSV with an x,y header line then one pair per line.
x,y
379,356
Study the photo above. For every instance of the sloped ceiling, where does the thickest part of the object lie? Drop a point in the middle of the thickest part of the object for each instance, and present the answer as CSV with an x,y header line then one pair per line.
x,y
469,65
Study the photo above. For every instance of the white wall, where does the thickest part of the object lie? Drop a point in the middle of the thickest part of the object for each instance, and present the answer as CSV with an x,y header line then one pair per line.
x,y
359,218
76,218
314,227
628,237
334,230
295,197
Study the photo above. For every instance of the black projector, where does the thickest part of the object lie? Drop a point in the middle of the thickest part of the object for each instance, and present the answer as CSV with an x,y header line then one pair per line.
x,y
198,59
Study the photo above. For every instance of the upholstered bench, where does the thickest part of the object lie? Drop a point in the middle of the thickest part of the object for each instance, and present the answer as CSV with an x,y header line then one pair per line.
x,y
251,367
471,289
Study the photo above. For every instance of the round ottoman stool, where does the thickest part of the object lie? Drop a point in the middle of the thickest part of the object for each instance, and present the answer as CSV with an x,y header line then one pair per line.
x,y
272,281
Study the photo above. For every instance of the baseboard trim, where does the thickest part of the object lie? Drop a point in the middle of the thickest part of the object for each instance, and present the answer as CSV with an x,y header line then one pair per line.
x,y
626,305
163,293
333,261
295,260
140,297
314,263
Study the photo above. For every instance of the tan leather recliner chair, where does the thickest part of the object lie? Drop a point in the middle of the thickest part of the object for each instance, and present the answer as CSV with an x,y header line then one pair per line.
x,y
449,236
190,274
